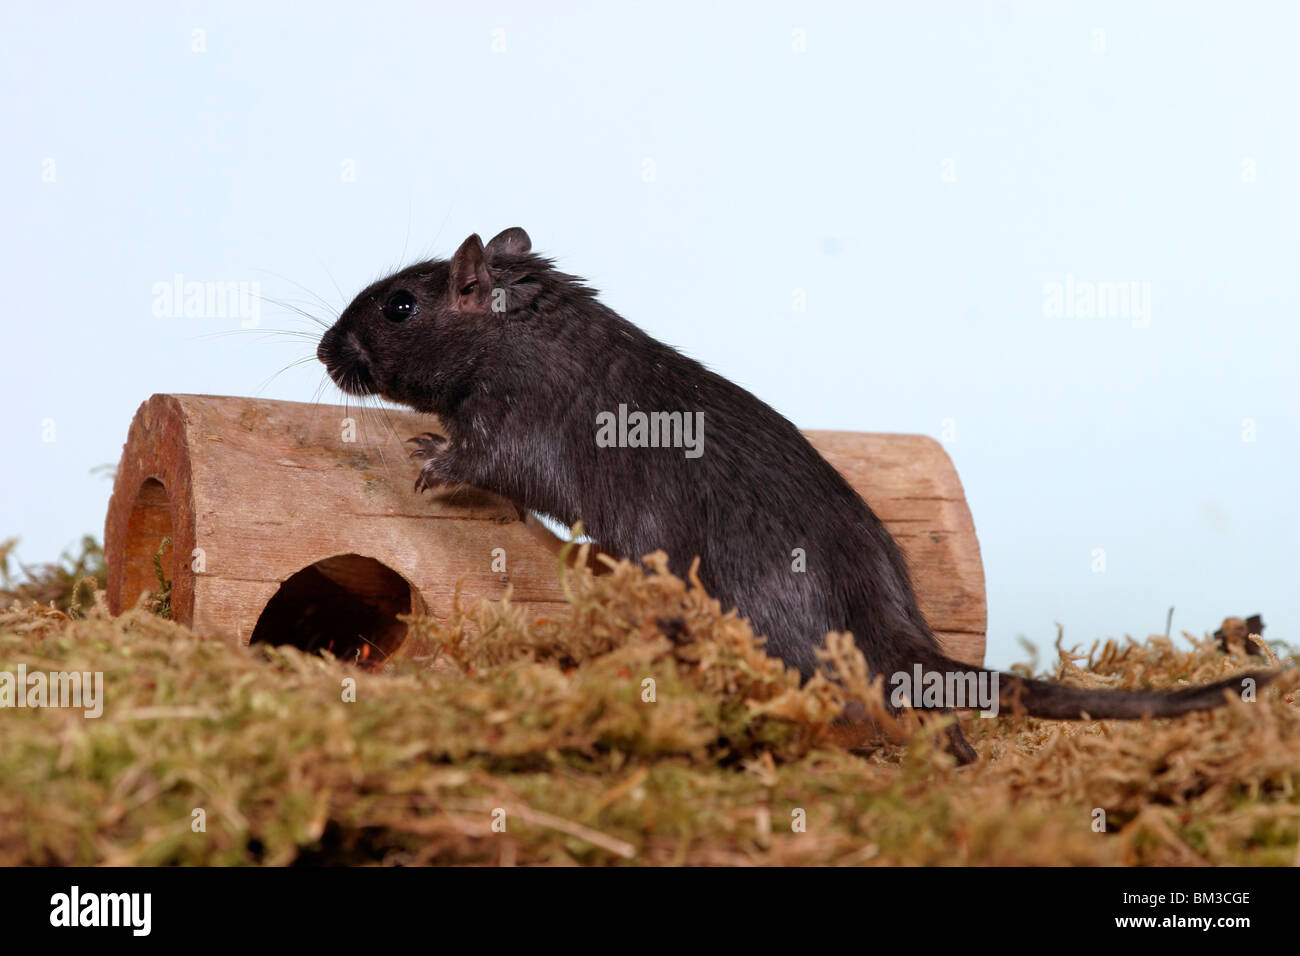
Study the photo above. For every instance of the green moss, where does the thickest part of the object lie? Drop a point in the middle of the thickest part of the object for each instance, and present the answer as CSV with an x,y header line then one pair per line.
x,y
161,602
545,720
65,584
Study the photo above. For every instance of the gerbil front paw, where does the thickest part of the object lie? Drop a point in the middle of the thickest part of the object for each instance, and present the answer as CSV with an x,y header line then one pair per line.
x,y
429,445
431,449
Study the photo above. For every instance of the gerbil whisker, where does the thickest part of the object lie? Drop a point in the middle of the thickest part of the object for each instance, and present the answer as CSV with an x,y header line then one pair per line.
x,y
294,364
433,243
379,445
320,388
296,333
333,282
314,295
407,240
289,306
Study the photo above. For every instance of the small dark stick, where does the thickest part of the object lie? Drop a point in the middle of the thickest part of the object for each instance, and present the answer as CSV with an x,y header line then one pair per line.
x,y
524,368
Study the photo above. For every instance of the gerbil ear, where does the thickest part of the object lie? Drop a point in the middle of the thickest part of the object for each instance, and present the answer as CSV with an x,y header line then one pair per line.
x,y
469,277
511,242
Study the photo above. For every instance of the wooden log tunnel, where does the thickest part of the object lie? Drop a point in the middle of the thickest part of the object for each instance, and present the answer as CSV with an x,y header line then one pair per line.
x,y
297,523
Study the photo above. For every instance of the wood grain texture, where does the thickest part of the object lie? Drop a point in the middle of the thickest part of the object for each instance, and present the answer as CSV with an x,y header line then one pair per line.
x,y
258,490
910,483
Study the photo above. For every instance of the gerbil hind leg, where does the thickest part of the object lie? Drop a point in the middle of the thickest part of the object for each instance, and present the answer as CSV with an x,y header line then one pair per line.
x,y
958,746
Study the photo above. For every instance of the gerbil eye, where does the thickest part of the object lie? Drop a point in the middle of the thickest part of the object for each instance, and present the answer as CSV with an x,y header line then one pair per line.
x,y
401,305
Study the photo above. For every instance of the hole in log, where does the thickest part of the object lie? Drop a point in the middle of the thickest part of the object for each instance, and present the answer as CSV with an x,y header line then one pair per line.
x,y
149,523
347,605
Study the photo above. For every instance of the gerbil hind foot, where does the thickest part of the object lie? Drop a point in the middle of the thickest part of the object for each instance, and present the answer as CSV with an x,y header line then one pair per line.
x,y
958,746
855,731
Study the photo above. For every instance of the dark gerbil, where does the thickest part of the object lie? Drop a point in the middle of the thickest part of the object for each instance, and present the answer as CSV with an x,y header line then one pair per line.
x,y
522,364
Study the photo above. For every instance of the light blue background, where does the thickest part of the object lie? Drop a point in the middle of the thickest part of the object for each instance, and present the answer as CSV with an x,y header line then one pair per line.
x,y
775,171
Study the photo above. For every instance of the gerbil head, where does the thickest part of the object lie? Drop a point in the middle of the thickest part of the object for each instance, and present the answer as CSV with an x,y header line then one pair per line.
x,y
417,336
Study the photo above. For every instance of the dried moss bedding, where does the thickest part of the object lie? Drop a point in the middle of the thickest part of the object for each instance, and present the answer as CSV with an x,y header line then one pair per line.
x,y
645,728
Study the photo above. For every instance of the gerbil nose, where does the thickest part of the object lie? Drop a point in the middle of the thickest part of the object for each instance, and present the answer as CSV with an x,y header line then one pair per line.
x,y
326,347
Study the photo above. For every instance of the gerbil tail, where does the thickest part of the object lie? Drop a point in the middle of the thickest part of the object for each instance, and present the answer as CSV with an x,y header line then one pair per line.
x,y
1040,698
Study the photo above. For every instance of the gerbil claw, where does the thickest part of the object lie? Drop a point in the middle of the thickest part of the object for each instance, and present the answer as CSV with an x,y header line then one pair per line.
x,y
424,480
430,445
431,449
